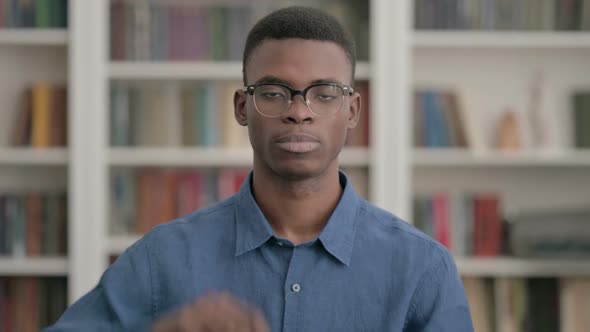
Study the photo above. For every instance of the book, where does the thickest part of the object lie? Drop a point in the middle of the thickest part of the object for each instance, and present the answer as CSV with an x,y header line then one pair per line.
x,y
480,295
467,224
500,14
33,224
22,126
581,119
440,120
150,30
41,115
585,16
121,116
543,304
534,233
511,304
574,299
31,303
142,199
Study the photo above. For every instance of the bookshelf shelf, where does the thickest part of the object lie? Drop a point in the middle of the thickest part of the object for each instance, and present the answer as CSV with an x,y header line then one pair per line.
x,y
53,266
189,70
31,156
518,267
495,39
462,157
208,157
34,36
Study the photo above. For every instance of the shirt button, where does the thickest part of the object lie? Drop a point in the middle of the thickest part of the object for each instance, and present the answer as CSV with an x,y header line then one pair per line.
x,y
296,288
280,243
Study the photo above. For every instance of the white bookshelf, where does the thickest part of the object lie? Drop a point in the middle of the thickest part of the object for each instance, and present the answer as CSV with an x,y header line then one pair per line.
x,y
423,157
491,68
29,55
520,267
41,266
505,39
34,37
34,157
222,70
208,157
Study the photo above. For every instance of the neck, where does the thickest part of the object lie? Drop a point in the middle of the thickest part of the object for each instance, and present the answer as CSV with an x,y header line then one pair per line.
x,y
297,210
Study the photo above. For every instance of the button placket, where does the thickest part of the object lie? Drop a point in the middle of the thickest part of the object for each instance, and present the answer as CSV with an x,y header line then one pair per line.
x,y
293,291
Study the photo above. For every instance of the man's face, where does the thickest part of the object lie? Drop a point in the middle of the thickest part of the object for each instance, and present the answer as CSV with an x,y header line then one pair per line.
x,y
297,144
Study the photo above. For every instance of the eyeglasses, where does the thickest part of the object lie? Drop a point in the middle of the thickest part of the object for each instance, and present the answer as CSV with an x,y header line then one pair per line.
x,y
322,99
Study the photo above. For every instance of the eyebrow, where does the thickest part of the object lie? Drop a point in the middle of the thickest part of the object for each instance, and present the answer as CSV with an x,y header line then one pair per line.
x,y
274,79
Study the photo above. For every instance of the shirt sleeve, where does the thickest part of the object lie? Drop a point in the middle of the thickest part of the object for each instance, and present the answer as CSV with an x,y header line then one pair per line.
x,y
439,302
122,300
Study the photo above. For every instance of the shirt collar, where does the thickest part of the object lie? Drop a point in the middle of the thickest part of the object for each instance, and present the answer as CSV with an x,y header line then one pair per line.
x,y
339,233
253,230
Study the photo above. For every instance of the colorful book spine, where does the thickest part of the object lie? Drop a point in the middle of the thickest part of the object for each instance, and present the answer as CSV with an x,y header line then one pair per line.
x,y
34,13
143,199
502,14
581,118
201,32
42,118
31,303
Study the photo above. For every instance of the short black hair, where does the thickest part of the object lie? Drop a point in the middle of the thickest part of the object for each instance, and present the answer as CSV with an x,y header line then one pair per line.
x,y
299,22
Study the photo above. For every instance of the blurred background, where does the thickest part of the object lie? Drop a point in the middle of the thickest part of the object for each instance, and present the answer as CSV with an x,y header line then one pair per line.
x,y
117,116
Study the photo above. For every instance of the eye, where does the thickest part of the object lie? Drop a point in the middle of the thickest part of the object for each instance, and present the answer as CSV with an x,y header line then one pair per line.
x,y
326,93
271,92
325,97
271,95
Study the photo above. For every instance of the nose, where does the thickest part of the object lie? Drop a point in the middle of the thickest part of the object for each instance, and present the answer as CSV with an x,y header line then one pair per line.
x,y
298,112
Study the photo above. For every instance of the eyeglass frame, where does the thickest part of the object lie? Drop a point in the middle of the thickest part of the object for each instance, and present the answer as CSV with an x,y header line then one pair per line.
x,y
346,89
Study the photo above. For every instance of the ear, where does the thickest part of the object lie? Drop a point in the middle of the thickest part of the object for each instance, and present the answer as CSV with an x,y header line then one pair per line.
x,y
354,110
240,99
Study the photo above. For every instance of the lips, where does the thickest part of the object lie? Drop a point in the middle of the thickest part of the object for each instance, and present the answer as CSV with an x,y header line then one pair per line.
x,y
297,143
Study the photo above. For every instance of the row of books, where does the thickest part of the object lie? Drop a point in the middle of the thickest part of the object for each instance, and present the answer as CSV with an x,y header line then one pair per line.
x,y
41,119
475,225
448,118
175,115
503,14
143,198
468,225
33,224
28,304
147,30
550,233
34,13
533,304
199,114
581,114
438,120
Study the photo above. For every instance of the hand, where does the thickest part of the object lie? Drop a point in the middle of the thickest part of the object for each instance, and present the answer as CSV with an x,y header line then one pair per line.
x,y
214,312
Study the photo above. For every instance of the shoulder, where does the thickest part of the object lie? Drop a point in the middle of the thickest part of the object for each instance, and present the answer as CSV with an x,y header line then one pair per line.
x,y
397,239
205,224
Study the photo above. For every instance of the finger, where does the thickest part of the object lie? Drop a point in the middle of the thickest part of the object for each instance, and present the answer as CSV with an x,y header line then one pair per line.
x,y
258,321
181,320
233,313
165,324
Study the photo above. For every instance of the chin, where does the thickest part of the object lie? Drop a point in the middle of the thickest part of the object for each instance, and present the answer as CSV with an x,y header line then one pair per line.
x,y
295,167
299,169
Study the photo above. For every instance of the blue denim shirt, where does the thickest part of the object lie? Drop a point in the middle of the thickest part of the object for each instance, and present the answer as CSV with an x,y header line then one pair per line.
x,y
367,271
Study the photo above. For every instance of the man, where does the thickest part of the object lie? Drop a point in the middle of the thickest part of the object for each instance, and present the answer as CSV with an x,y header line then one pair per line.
x,y
296,249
